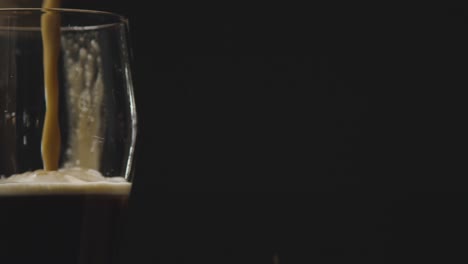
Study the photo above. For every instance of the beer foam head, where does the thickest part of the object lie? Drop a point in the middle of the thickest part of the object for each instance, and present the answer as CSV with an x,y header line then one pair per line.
x,y
63,181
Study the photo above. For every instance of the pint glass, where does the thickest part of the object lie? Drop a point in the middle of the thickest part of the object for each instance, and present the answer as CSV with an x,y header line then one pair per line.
x,y
74,212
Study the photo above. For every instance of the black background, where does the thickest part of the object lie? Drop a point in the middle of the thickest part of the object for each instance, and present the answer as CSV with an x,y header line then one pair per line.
x,y
318,133
252,101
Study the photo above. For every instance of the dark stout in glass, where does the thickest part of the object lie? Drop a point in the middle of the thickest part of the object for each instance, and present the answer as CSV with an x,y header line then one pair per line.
x,y
66,223
61,228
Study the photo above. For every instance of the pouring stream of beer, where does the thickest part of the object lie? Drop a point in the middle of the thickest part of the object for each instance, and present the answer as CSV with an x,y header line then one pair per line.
x,y
50,29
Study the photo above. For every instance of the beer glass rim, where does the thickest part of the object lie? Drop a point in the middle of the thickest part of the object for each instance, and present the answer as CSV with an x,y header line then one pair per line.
x,y
111,19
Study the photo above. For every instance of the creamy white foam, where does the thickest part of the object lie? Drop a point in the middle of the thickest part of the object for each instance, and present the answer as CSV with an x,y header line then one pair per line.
x,y
63,181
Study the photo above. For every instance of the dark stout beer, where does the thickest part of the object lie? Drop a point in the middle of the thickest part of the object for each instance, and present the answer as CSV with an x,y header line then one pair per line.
x,y
62,222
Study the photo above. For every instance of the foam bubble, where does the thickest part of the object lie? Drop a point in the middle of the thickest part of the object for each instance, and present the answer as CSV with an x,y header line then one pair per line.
x,y
63,181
